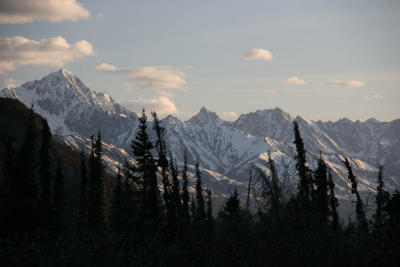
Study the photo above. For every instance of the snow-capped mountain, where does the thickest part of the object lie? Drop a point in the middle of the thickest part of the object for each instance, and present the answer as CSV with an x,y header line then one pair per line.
x,y
72,108
225,150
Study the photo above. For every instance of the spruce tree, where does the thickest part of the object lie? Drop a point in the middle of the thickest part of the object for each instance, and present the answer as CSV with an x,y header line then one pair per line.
x,y
176,205
45,199
210,219
382,197
146,167
193,210
153,201
117,223
275,190
185,193
360,213
96,219
162,162
333,202
59,200
249,190
200,206
141,147
231,210
83,198
304,185
321,200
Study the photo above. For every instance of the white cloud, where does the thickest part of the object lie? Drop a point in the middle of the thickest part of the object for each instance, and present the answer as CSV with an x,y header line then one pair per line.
x,y
348,84
20,51
295,80
106,67
12,83
258,54
154,77
27,11
269,92
229,115
372,97
162,104
158,77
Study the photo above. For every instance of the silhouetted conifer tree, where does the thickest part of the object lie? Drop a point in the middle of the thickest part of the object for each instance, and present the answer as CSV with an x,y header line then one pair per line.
x,y
305,182
45,211
132,190
333,202
249,190
193,210
96,215
162,162
321,200
360,213
153,201
59,200
117,215
275,189
210,219
83,198
231,210
146,167
185,193
200,206
175,194
393,210
382,197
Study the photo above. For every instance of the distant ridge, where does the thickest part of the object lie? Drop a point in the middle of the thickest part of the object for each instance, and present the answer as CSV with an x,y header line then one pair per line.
x,y
223,149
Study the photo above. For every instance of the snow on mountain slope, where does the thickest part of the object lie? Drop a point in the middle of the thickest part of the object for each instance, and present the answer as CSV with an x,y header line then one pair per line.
x,y
72,108
226,150
114,157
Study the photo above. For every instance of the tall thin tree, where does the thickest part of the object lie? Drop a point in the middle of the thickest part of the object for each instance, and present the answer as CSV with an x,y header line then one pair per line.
x,y
382,197
360,213
333,202
83,198
59,200
162,162
175,193
320,198
96,214
200,205
185,193
146,167
45,199
304,185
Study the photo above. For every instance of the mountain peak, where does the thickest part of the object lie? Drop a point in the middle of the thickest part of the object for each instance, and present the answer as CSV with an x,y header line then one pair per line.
x,y
65,72
372,120
344,120
205,109
62,74
268,114
205,116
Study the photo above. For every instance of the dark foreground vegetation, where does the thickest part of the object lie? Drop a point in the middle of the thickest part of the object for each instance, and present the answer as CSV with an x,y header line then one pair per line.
x,y
141,223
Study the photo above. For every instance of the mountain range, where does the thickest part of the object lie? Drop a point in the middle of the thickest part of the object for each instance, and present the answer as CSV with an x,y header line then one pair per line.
x,y
226,151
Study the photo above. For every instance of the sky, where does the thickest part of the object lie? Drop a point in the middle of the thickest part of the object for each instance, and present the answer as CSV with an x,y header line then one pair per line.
x,y
322,60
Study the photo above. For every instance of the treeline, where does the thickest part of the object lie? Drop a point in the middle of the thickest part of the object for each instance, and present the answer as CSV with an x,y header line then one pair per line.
x,y
147,222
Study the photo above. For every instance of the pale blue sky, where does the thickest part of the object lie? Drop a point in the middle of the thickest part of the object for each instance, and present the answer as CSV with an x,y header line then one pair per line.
x,y
319,42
